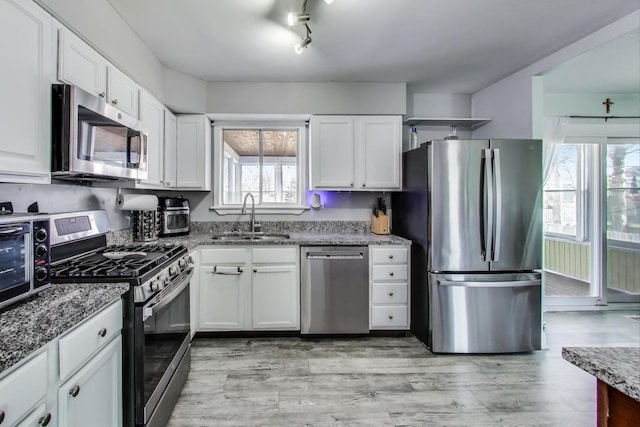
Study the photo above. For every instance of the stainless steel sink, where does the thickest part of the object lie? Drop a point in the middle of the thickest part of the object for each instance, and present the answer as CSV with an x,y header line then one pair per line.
x,y
250,237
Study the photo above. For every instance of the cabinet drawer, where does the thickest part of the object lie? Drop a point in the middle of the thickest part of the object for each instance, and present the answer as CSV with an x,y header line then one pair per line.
x,y
389,293
23,389
389,255
389,317
275,255
223,256
86,339
390,272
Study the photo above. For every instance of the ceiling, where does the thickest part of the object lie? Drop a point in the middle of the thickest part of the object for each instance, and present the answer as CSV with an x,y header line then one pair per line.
x,y
454,46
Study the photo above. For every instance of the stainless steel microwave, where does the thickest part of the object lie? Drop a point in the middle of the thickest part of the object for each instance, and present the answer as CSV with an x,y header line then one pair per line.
x,y
24,256
93,140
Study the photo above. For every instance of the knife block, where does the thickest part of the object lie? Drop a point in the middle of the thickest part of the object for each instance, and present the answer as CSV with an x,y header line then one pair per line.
x,y
380,224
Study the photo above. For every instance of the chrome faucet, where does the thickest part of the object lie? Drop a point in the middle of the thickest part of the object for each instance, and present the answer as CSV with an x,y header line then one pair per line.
x,y
255,228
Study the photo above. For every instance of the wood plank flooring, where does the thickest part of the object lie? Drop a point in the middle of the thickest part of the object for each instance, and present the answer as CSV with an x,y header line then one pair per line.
x,y
395,381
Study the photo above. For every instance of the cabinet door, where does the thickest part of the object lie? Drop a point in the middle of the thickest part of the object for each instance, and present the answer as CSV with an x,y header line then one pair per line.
x,y
122,92
378,152
170,149
26,75
152,121
275,297
332,152
222,297
39,417
93,396
193,154
80,65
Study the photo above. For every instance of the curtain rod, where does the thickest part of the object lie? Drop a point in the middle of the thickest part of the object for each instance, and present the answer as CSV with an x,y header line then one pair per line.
x,y
604,117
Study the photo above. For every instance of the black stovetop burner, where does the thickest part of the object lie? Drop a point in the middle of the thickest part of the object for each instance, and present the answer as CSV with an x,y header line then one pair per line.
x,y
121,261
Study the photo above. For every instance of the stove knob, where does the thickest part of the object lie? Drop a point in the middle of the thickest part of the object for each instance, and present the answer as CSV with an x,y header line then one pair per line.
x,y
41,234
182,264
173,271
157,285
41,274
41,250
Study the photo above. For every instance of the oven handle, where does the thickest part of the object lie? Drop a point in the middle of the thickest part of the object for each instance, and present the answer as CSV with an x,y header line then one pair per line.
x,y
149,309
10,231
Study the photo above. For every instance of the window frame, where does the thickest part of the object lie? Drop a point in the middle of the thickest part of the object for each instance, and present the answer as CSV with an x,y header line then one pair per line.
x,y
583,184
218,153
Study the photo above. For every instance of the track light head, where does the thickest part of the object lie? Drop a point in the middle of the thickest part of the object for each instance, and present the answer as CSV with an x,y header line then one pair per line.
x,y
297,18
300,47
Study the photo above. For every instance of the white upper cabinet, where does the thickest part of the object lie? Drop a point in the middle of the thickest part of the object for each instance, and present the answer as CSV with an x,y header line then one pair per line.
x,y
378,152
80,65
193,153
332,152
359,153
26,75
170,149
152,121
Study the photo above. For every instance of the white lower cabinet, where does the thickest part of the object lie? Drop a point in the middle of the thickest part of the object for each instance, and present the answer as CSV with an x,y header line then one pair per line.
x,y
74,380
249,288
389,287
93,396
23,388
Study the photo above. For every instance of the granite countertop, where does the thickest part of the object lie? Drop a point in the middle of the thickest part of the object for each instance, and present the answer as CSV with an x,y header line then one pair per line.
x,y
309,238
32,323
617,367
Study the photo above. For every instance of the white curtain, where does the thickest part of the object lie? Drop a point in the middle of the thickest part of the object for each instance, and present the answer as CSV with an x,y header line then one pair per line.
x,y
553,137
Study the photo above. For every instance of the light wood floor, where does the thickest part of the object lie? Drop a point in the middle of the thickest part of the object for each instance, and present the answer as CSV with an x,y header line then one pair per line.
x,y
395,381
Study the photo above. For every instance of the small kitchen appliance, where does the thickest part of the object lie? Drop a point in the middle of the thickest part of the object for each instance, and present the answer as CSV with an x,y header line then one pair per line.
x,y
175,218
156,325
93,140
24,256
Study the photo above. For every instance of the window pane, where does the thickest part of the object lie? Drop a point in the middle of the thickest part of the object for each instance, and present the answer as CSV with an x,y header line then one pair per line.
x,y
268,183
564,172
289,183
560,195
560,212
241,148
623,192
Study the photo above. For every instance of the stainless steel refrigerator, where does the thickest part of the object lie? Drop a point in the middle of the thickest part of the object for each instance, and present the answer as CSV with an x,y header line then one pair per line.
x,y
473,211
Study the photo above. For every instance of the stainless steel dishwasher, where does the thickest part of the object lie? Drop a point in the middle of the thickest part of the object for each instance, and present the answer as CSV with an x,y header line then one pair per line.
x,y
334,295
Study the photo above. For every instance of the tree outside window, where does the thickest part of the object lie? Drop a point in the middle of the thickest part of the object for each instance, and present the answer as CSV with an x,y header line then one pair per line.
x,y
623,192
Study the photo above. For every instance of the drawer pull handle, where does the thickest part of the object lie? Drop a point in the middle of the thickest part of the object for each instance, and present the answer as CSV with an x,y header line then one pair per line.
x,y
102,94
1,416
391,317
102,332
114,102
391,273
45,420
390,294
390,256
74,390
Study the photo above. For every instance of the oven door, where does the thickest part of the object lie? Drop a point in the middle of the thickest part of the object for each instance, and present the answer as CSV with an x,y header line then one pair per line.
x,y
162,340
15,262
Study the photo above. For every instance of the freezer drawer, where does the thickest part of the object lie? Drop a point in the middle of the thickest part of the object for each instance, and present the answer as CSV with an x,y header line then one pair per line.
x,y
485,313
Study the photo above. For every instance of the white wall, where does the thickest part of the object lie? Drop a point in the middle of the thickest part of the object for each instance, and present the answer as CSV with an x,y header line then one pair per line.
x,y
306,98
565,104
509,102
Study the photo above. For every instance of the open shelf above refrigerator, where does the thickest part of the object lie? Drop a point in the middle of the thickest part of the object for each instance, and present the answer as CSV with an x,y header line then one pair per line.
x,y
458,122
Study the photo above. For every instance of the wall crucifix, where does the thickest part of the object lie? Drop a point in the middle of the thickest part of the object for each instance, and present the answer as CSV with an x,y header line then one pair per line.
x,y
607,105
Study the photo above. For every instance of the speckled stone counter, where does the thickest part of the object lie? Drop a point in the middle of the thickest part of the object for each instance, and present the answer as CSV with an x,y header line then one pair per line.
x,y
618,367
309,238
32,323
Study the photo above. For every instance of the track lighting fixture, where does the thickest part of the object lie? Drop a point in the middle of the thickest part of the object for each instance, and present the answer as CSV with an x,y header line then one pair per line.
x,y
302,45
302,18
297,18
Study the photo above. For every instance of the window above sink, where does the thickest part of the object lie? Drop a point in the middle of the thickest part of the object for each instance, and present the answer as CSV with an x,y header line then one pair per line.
x,y
266,159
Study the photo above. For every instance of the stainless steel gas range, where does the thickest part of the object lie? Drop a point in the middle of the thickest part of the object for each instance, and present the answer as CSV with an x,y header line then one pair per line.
x,y
156,332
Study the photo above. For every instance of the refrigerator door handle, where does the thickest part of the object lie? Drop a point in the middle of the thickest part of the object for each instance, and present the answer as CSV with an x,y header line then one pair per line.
x,y
505,284
489,184
481,209
495,249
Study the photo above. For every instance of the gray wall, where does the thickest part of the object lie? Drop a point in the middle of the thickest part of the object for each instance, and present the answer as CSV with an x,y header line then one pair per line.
x,y
509,102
